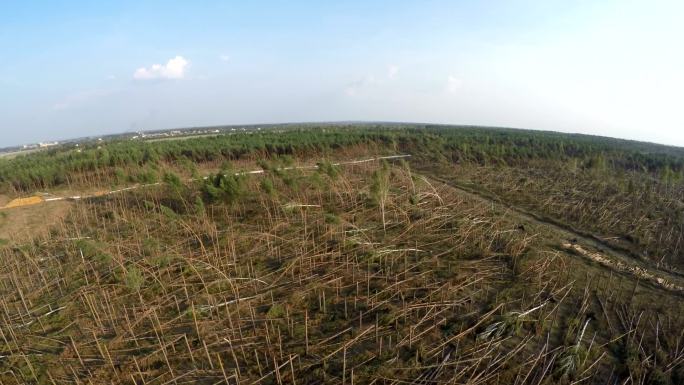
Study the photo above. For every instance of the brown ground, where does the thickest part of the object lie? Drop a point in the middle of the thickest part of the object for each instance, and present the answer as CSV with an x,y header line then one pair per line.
x,y
16,223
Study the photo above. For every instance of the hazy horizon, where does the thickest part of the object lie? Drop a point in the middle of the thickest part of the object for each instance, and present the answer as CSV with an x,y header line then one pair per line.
x,y
75,69
314,123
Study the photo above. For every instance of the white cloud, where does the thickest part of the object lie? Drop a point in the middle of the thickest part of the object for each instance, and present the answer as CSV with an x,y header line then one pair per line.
x,y
392,71
173,69
225,58
453,84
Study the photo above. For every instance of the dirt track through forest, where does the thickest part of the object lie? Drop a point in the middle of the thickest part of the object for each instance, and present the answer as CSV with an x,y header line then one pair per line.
x,y
575,243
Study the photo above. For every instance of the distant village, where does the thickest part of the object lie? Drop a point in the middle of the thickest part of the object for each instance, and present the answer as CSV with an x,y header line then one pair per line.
x,y
39,145
140,135
173,133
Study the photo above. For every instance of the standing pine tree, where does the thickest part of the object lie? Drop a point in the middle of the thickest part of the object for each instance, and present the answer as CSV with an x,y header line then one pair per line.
x,y
380,190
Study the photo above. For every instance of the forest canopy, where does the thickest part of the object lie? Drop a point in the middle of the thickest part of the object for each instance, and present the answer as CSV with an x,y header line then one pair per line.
x,y
481,145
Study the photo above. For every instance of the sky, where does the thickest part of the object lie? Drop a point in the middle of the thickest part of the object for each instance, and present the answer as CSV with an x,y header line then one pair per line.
x,y
80,68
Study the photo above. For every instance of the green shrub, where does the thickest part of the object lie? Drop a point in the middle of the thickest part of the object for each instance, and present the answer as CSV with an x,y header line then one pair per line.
x,y
134,279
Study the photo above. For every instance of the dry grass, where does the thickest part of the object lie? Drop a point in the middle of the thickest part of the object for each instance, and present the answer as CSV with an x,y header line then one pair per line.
x,y
25,224
317,282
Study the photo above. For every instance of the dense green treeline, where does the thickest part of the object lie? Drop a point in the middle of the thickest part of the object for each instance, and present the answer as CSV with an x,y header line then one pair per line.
x,y
54,168
463,143
510,146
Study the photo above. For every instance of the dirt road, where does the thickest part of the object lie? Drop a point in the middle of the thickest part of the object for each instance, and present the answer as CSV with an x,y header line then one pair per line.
x,y
577,243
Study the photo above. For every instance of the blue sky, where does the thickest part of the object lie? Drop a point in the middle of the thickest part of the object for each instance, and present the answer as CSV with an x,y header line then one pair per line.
x,y
74,68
